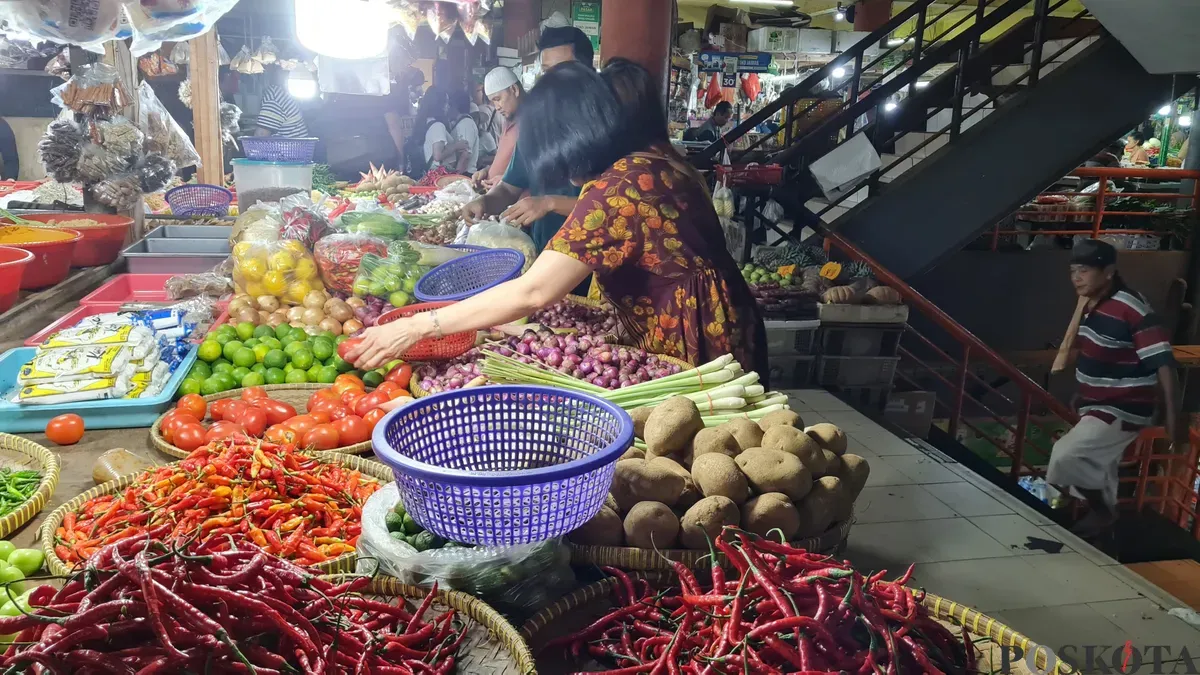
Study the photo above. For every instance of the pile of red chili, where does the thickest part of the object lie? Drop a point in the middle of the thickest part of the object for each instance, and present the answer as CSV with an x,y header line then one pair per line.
x,y
144,606
787,611
233,489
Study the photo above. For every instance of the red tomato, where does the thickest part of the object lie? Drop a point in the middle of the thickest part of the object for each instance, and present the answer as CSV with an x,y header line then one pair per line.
x,y
278,412
65,429
235,410
352,430
372,418
399,393
345,382
189,437
221,430
387,387
171,424
401,375
301,424
321,416
351,396
282,434
192,404
253,393
321,437
254,421
348,346
321,396
338,412
218,408
369,402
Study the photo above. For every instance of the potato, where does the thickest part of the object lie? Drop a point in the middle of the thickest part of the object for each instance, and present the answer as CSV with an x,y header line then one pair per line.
x,y
640,415
691,493
711,440
604,529
651,525
854,473
770,511
795,442
822,507
775,471
833,463
634,453
746,432
829,437
707,516
717,474
635,480
788,418
611,502
671,425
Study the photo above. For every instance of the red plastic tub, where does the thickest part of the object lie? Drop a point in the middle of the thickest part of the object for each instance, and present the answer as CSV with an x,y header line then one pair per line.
x,y
69,320
13,262
130,288
51,259
101,244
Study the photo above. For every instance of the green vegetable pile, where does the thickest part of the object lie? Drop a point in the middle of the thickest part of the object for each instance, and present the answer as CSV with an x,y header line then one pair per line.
x,y
323,179
402,527
15,565
16,487
246,355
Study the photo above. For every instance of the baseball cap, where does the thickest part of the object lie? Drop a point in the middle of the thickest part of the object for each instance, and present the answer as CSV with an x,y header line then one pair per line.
x,y
498,80
1094,253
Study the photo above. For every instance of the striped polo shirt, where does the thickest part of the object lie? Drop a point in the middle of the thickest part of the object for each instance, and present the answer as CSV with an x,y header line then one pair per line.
x,y
280,115
1122,344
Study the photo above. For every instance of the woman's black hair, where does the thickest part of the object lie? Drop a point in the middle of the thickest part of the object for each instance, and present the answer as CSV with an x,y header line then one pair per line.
x,y
571,126
1138,135
460,102
432,107
641,99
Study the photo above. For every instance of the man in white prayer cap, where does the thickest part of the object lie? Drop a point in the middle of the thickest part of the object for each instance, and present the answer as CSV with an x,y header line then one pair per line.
x,y
502,88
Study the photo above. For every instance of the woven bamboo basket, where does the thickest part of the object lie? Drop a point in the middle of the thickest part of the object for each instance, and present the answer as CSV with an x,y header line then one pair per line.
x,y
19,454
295,395
989,636
343,563
832,542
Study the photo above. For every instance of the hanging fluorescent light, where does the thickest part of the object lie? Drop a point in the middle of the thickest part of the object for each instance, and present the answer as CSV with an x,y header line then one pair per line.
x,y
890,106
895,42
301,84
357,29
839,72
921,84
1185,121
1165,110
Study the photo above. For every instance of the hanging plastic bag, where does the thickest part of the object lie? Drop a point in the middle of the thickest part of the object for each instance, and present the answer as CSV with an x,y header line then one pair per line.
x,y
60,65
443,19
96,90
468,18
496,234
86,23
267,53
154,65
163,134
714,94
751,87
339,256
511,578
222,55
181,52
284,269
302,220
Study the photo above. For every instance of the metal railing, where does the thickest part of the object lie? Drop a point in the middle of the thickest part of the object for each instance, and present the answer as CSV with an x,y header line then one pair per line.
x,y
1165,480
1054,211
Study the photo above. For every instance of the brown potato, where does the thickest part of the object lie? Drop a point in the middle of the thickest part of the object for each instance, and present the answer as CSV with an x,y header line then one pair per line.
x,y
691,493
854,473
829,437
671,425
788,418
651,525
636,481
795,442
833,463
770,511
707,516
713,439
746,432
634,453
640,415
717,474
604,529
611,502
775,471
822,507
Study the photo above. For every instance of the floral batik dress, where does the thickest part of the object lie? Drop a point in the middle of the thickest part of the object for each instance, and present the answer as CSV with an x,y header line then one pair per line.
x,y
650,234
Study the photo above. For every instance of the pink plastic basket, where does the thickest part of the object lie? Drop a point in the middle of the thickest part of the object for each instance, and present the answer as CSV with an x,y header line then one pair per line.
x,y
130,288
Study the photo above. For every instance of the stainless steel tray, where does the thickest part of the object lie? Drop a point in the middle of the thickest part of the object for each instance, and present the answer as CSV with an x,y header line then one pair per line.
x,y
175,256
190,232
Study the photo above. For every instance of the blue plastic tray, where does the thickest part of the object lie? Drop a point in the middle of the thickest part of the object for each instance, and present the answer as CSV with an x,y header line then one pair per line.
x,y
113,413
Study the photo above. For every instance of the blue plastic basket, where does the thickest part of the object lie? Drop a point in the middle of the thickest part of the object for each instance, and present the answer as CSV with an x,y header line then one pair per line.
x,y
199,200
469,248
503,465
279,149
469,275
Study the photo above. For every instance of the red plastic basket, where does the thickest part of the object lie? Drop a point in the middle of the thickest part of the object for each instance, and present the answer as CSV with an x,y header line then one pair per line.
x,y
100,244
751,174
432,349
130,288
13,262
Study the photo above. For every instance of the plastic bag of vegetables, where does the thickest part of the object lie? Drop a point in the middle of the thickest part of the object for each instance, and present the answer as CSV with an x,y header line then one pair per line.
x,y
512,579
390,278
339,256
284,269
302,219
426,255
377,223
496,234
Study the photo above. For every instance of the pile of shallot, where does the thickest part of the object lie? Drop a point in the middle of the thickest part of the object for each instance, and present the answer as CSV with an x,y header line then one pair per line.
x,y
583,318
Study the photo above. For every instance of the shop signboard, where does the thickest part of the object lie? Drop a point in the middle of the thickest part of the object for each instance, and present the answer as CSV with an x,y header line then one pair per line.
x,y
585,15
744,62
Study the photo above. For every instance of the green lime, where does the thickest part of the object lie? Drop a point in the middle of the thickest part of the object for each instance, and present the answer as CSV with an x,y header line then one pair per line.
x,y
327,375
276,358
238,373
221,366
251,343
200,371
253,380
271,342
261,332
245,330
341,364
212,385
210,350
292,347
228,380
409,285
296,377
244,358
287,368
260,352
372,379
190,386
230,347
322,349
399,299
222,338
302,358
340,339
314,373
377,289
276,376
258,368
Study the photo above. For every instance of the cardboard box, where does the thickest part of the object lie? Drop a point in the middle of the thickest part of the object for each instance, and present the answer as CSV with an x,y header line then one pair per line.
x,y
737,37
911,411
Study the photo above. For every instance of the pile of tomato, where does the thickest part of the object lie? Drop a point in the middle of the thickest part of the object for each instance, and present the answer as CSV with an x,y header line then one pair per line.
x,y
341,415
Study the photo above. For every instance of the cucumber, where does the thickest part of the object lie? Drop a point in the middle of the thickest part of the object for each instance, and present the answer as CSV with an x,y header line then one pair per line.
x,y
394,522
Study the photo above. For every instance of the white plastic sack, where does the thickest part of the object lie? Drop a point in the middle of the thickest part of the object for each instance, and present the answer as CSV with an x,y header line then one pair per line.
x,y
842,169
496,234
87,23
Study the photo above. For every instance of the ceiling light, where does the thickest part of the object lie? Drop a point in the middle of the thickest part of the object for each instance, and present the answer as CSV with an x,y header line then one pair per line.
x,y
357,30
1185,121
839,16
921,84
1165,110
301,84
773,3
890,106
895,42
839,72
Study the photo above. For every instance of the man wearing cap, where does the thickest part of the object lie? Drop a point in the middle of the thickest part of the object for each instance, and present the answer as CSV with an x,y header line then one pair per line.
x,y
1125,360
504,91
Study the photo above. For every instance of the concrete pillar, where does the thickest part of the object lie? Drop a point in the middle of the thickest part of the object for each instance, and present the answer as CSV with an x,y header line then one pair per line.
x,y
639,30
871,15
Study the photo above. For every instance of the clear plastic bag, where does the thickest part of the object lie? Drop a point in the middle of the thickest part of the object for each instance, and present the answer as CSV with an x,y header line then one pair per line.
x,y
181,53
495,234
374,221
260,222
208,284
86,23
267,53
120,191
390,279
339,256
158,21
96,90
284,269
163,134
514,579
302,220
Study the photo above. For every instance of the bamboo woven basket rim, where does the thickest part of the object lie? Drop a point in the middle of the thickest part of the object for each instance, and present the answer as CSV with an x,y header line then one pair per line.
x,y
161,444
977,623
48,465
499,627
343,563
645,559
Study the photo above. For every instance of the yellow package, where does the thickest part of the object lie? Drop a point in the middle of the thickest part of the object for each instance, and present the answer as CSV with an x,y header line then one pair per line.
x,y
49,393
138,338
76,363
284,269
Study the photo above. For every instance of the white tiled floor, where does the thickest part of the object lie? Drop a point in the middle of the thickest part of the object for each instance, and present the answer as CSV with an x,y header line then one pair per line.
x,y
968,538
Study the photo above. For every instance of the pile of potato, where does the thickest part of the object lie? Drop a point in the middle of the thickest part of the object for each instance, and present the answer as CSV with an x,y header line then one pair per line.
x,y
692,481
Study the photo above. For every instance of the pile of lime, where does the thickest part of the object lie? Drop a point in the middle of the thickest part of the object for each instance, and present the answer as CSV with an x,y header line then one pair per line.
x,y
246,355
756,275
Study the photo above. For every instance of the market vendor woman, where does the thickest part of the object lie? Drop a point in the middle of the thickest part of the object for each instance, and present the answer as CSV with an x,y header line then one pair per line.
x,y
647,230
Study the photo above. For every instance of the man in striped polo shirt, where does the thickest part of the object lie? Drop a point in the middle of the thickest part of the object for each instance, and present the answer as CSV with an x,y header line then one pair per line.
x,y
1125,360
